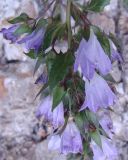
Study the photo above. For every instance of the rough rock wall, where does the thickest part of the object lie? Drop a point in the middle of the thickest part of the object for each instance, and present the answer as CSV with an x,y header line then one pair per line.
x,y
17,89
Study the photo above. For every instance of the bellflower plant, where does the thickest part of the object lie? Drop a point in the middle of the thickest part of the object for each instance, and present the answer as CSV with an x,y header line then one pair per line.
x,y
74,86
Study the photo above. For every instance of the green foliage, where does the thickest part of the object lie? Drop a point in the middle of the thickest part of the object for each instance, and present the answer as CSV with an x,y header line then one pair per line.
x,y
22,18
24,28
103,39
60,68
54,30
58,94
96,137
40,60
97,5
92,118
41,23
81,122
31,54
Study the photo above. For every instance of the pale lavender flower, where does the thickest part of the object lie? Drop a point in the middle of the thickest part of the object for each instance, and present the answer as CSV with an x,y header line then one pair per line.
x,y
58,116
98,94
33,40
108,150
54,143
45,109
90,56
9,33
71,141
42,79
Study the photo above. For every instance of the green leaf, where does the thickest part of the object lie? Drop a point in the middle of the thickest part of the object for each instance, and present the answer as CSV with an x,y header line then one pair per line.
x,y
92,118
81,122
87,151
60,68
22,18
97,5
41,23
31,54
115,41
96,137
58,94
40,60
103,39
54,30
24,28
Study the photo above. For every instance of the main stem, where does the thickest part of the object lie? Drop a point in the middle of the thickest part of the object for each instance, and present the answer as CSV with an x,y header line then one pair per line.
x,y
68,20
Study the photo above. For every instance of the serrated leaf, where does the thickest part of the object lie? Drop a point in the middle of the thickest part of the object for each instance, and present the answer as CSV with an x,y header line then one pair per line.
x,y
58,94
60,68
24,28
96,137
22,18
97,5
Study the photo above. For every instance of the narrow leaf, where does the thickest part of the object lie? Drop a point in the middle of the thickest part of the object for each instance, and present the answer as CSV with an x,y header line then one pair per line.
x,y
97,5
24,28
58,94
96,137
59,69
22,18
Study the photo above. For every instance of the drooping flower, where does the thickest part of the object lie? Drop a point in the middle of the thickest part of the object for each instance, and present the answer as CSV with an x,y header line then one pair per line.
x,y
9,33
71,141
108,150
33,40
45,109
90,56
98,94
42,79
54,143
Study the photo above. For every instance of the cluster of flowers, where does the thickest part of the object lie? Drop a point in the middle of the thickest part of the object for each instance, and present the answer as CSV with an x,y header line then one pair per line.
x,y
91,61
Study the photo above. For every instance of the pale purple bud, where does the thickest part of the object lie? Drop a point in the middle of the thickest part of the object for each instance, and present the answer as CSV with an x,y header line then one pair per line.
x,y
90,56
71,141
33,40
98,94
54,143
9,33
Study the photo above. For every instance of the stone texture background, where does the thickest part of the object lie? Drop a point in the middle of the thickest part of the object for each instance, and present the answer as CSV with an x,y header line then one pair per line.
x,y
17,89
